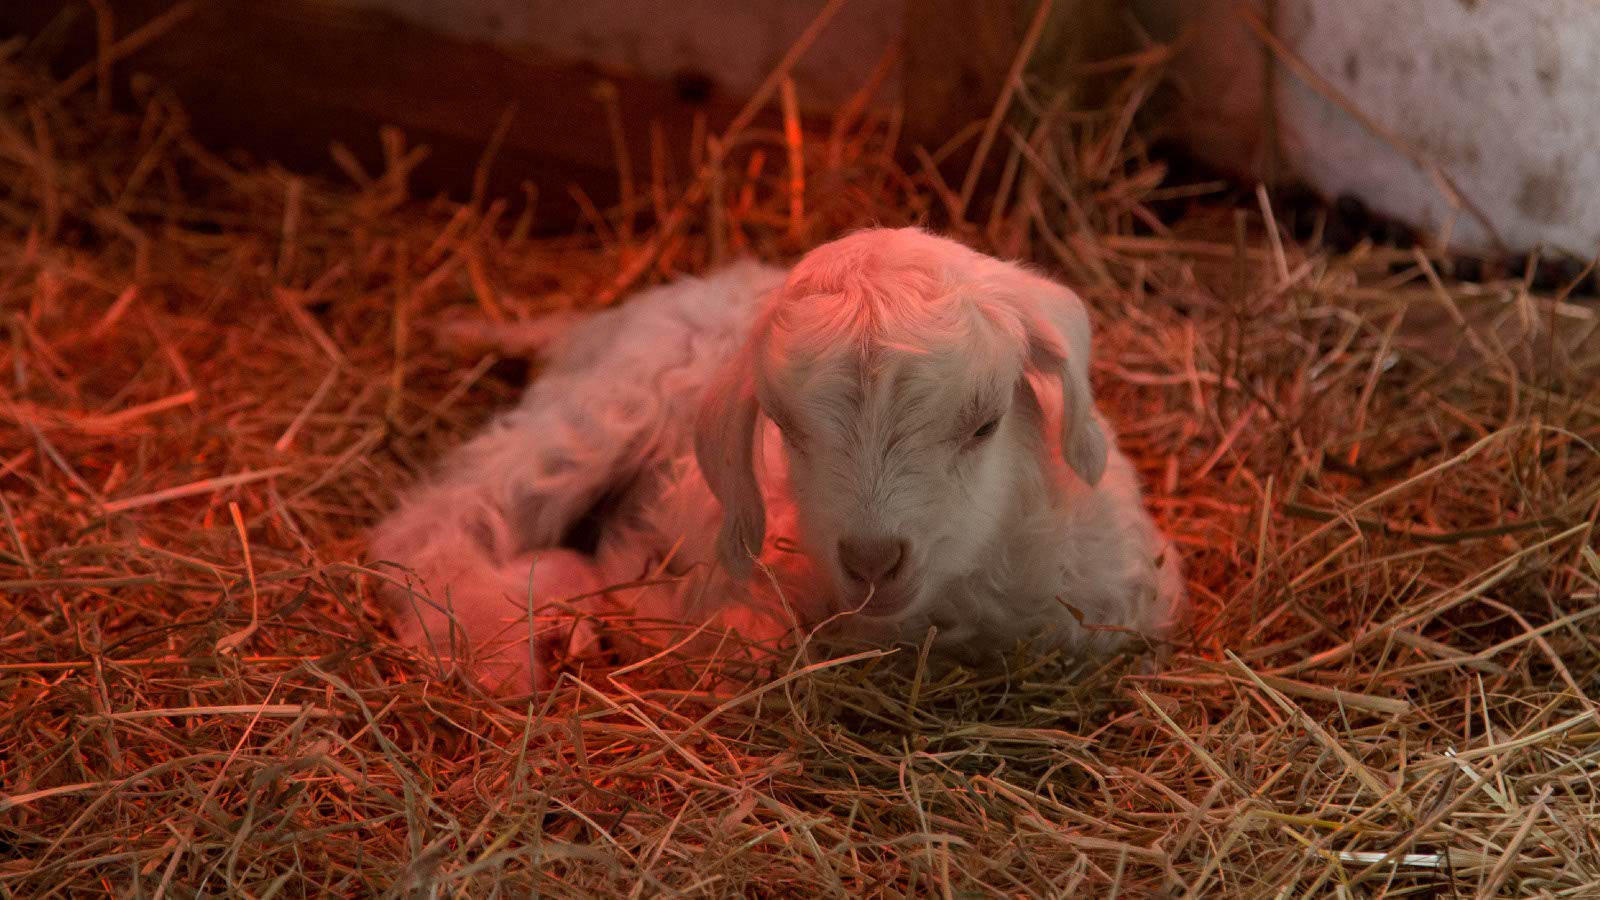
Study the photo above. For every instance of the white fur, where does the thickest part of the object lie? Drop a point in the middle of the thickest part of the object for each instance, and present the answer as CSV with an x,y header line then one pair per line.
x,y
882,356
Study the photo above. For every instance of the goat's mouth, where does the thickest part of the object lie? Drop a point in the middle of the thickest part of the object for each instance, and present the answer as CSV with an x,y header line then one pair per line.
x,y
878,601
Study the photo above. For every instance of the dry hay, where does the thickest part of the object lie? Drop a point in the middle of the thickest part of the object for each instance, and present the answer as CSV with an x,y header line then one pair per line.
x,y
215,377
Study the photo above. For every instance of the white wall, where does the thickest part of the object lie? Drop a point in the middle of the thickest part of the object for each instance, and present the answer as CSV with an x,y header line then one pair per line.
x,y
1505,96
1502,95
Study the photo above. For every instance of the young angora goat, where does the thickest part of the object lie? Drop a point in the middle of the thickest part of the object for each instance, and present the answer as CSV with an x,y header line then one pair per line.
x,y
937,460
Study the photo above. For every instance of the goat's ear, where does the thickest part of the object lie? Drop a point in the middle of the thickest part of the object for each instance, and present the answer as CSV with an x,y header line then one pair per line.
x,y
1058,343
725,447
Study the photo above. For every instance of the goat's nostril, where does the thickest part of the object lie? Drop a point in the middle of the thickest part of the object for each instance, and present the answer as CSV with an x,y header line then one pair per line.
x,y
872,559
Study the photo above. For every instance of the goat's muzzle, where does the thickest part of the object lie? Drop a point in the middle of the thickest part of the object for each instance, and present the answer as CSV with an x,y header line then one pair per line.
x,y
877,571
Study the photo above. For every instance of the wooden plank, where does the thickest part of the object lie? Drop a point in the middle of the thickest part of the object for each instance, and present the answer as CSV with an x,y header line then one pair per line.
x,y
284,80
957,55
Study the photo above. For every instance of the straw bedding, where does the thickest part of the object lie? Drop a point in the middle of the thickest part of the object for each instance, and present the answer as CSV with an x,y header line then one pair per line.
x,y
216,375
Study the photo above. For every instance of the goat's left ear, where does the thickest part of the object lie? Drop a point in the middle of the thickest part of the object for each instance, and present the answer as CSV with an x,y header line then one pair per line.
x,y
1058,342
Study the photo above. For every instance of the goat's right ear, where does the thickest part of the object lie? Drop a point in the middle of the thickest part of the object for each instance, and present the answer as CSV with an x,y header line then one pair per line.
x,y
725,448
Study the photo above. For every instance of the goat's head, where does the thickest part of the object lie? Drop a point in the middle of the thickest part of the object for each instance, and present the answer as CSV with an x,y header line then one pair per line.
x,y
912,379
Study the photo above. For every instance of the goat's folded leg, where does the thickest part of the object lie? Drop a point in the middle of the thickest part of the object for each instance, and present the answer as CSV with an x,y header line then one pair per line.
x,y
504,626
481,538
463,603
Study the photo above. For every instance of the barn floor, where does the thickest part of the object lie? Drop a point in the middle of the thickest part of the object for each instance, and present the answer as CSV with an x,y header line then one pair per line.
x,y
216,375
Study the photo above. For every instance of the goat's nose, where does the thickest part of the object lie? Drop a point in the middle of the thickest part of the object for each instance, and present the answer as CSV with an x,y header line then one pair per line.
x,y
875,560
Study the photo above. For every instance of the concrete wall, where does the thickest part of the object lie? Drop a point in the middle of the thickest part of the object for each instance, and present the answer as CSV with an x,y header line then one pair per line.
x,y
1503,96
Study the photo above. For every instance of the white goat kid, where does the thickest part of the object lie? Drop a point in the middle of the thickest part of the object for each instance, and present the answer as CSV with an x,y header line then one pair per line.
x,y
937,461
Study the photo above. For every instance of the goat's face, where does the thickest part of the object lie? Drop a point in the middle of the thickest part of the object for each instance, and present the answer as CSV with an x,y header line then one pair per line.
x,y
903,464
911,378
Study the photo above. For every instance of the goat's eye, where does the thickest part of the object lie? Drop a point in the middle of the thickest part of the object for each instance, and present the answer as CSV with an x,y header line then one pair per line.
x,y
986,429
790,436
